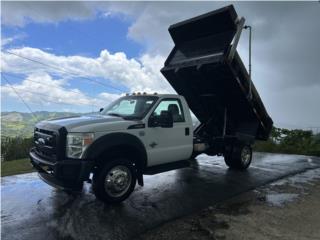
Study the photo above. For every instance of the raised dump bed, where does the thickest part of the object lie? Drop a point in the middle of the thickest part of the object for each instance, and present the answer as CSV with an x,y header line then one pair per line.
x,y
206,69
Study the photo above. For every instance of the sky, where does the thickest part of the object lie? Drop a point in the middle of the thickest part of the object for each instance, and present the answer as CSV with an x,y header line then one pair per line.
x,y
80,56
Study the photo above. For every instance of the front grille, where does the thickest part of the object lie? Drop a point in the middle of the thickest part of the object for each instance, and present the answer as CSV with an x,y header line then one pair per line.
x,y
46,143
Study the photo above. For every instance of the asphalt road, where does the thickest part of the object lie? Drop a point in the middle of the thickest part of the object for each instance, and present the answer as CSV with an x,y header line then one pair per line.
x,y
33,210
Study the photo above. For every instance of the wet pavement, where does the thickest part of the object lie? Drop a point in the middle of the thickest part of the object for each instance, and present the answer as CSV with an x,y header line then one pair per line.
x,y
285,209
33,210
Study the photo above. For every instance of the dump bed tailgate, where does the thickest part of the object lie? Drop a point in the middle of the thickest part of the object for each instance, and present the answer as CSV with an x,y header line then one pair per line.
x,y
215,85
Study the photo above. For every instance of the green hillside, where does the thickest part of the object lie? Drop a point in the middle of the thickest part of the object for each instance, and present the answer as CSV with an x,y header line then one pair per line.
x,y
18,124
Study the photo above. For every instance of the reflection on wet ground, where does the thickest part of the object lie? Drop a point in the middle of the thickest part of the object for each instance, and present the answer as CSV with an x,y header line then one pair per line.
x,y
276,194
32,210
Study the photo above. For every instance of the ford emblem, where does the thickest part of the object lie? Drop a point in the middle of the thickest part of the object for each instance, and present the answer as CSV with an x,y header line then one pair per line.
x,y
41,141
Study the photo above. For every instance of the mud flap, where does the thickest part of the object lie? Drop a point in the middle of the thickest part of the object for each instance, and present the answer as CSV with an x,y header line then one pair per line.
x,y
140,178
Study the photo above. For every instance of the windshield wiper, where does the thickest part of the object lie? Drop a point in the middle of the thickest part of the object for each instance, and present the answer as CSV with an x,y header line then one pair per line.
x,y
131,118
115,114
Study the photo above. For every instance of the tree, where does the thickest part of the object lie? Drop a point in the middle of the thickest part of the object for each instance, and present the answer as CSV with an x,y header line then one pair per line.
x,y
15,148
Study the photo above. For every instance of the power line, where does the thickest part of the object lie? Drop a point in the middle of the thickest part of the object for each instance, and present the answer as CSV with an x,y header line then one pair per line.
x,y
58,87
40,104
29,108
63,70
52,101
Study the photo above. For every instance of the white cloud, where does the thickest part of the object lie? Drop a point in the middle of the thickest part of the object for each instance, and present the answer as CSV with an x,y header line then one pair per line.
x,y
106,14
136,74
107,97
39,87
43,90
7,40
152,19
296,107
20,13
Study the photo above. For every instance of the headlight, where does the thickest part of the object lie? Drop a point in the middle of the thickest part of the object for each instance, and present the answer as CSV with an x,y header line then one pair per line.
x,y
77,143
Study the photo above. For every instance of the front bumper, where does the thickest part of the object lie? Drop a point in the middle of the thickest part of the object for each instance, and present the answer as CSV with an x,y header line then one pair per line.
x,y
66,174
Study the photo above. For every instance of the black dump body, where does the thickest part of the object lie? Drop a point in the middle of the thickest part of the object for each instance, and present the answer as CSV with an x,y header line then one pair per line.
x,y
205,68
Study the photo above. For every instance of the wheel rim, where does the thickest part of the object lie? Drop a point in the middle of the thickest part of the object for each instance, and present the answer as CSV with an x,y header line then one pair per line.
x,y
245,155
117,181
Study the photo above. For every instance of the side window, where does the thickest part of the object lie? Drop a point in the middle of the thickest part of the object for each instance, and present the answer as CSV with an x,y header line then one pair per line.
x,y
173,106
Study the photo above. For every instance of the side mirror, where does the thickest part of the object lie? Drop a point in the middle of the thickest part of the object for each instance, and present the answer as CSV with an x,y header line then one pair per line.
x,y
165,120
101,109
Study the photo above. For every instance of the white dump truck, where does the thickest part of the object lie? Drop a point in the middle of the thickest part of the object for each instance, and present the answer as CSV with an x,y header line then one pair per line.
x,y
144,133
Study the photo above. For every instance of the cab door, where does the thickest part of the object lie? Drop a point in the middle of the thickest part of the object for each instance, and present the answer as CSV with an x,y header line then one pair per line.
x,y
169,144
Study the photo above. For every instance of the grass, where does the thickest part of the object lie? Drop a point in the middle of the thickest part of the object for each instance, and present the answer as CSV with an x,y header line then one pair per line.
x,y
14,167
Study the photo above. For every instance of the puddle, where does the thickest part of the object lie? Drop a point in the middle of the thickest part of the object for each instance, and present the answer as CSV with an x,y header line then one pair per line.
x,y
288,189
280,199
300,180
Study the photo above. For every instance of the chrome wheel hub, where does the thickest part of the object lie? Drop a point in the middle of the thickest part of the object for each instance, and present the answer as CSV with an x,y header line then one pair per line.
x,y
117,181
245,155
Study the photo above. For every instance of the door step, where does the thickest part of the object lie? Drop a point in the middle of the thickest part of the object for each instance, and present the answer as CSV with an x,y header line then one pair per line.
x,y
167,167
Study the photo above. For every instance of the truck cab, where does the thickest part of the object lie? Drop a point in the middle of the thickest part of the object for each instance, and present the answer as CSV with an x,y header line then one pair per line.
x,y
162,122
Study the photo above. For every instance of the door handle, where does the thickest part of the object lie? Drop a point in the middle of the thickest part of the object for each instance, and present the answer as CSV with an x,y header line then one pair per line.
x,y
153,144
187,131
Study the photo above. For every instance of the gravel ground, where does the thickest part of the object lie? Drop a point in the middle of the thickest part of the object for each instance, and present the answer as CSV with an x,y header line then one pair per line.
x,y
286,209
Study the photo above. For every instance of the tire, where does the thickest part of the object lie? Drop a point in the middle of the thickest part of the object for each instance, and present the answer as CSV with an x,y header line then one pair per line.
x,y
115,181
239,157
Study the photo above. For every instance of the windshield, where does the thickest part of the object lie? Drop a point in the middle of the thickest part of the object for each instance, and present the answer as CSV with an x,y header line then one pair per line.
x,y
130,107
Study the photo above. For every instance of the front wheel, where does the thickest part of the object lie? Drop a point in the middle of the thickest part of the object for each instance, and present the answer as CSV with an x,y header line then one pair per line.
x,y
239,157
115,181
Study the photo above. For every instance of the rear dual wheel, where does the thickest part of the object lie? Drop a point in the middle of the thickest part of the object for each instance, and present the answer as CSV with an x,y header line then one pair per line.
x,y
239,157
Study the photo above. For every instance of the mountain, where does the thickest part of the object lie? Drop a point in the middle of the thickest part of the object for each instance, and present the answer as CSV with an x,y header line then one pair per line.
x,y
19,124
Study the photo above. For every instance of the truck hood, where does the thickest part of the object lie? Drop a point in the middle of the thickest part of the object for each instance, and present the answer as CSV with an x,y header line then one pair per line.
x,y
88,123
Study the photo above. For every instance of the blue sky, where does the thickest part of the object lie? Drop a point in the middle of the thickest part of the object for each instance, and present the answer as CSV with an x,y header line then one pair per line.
x,y
67,38
124,45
